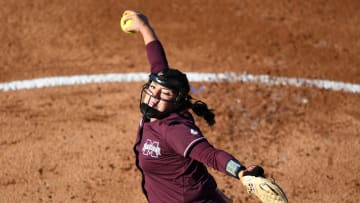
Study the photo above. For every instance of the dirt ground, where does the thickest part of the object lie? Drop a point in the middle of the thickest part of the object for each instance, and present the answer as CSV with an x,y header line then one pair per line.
x,y
74,143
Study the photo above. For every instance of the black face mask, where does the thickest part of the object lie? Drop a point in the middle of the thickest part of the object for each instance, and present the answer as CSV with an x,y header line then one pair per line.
x,y
150,112
173,82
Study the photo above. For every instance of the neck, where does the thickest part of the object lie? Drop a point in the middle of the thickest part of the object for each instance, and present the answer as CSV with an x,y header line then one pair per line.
x,y
153,119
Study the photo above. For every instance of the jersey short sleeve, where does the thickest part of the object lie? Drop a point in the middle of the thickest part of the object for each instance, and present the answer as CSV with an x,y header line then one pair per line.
x,y
182,137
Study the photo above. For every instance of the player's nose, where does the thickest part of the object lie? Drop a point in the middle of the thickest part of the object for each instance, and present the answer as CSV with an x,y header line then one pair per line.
x,y
156,94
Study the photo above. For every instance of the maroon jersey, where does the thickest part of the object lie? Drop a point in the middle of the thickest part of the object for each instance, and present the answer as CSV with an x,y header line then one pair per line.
x,y
170,174
171,153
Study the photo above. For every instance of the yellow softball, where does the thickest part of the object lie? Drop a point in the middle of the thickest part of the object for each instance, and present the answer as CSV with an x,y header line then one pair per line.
x,y
125,24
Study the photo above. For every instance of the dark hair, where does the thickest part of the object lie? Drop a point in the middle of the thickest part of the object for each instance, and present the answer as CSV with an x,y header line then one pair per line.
x,y
201,109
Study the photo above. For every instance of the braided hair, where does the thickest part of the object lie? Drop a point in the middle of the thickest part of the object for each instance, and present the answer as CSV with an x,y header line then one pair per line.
x,y
201,109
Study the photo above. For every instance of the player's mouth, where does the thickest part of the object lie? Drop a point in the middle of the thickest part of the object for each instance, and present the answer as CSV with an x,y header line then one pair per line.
x,y
153,103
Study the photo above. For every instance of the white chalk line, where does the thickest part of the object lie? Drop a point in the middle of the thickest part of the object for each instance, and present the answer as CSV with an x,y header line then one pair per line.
x,y
192,76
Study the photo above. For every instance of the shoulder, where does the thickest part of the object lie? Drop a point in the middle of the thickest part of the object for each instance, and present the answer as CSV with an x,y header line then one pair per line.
x,y
179,118
180,125
181,133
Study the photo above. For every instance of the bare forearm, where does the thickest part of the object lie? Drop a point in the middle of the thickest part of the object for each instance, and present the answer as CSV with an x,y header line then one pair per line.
x,y
148,33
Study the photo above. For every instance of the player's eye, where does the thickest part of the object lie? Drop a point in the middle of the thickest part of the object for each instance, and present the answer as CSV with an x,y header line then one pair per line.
x,y
168,94
152,86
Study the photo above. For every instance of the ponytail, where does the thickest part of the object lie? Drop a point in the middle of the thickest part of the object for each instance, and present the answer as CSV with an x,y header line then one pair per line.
x,y
202,110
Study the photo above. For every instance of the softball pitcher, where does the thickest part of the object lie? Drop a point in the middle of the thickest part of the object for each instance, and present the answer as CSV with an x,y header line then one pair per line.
x,y
171,151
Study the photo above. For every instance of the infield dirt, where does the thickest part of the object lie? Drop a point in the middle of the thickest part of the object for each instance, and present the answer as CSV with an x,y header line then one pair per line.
x,y
74,143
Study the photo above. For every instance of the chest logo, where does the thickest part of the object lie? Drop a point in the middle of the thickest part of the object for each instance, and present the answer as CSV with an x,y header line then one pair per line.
x,y
151,148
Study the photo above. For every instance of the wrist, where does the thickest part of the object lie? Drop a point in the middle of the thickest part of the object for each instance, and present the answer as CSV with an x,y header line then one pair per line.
x,y
234,167
144,27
